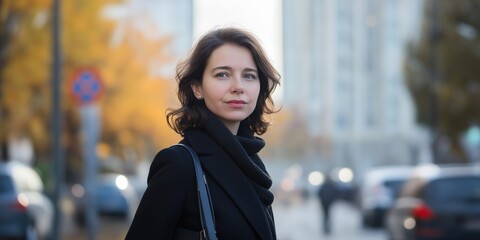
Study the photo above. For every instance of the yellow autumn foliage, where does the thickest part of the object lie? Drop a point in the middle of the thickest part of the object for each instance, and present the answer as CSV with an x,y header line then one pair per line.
x,y
134,101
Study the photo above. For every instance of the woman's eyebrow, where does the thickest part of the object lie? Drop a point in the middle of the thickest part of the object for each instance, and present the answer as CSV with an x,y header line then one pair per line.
x,y
250,70
222,68
230,68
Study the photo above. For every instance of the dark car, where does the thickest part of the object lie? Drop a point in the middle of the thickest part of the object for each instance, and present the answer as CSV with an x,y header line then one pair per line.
x,y
438,202
25,211
114,197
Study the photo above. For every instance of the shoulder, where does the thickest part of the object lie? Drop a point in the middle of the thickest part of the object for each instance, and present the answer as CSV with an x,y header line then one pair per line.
x,y
171,160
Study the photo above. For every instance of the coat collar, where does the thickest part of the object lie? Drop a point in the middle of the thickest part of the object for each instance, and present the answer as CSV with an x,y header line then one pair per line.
x,y
228,175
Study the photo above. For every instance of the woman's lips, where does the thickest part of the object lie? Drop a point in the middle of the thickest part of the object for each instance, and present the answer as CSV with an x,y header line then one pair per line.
x,y
236,103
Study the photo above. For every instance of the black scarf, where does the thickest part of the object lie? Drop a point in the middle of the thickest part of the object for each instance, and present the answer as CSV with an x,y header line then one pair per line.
x,y
243,148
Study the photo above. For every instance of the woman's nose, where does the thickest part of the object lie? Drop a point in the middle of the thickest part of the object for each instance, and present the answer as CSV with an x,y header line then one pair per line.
x,y
237,85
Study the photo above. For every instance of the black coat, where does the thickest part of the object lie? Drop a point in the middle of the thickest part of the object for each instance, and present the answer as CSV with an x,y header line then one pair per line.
x,y
170,199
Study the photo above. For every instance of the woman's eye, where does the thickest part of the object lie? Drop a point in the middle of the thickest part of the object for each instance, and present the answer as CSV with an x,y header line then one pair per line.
x,y
250,76
221,75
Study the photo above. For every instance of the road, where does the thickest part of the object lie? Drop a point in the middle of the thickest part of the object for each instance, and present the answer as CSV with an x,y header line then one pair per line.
x,y
298,220
109,228
301,220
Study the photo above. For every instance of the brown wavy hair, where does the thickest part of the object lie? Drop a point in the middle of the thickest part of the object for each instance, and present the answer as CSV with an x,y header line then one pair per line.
x,y
193,112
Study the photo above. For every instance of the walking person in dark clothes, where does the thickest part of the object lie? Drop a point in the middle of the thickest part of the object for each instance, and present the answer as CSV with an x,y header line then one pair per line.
x,y
327,193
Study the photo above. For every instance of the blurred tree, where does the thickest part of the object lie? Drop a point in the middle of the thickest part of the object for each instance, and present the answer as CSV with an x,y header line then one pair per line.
x,y
289,136
23,64
275,135
135,98
442,70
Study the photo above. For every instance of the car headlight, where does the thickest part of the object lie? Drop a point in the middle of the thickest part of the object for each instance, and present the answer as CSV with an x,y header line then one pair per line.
x,y
122,182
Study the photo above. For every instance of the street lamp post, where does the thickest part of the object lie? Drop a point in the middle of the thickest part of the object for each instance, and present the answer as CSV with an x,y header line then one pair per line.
x,y
434,36
58,161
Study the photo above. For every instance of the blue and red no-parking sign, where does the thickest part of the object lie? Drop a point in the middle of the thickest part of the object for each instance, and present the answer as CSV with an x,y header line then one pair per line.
x,y
86,86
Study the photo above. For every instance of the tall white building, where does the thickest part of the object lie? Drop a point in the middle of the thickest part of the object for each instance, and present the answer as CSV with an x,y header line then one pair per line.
x,y
343,72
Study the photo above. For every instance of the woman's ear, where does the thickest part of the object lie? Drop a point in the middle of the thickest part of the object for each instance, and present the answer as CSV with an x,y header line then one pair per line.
x,y
197,90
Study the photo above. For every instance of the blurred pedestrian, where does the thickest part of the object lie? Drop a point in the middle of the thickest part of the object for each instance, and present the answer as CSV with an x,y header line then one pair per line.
x,y
224,88
328,194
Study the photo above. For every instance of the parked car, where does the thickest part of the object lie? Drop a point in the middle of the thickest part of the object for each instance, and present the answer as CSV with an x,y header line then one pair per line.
x,y
438,202
378,191
25,211
114,197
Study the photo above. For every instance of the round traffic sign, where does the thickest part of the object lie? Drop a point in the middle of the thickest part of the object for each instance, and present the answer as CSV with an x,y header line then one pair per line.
x,y
86,86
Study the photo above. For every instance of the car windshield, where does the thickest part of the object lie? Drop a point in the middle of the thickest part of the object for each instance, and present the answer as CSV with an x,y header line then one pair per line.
x,y
107,191
394,186
462,190
6,184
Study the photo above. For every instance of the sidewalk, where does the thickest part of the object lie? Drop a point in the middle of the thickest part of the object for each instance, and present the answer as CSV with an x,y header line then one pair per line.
x,y
299,220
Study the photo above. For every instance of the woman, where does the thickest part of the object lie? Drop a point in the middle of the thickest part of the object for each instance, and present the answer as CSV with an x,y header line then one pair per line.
x,y
225,89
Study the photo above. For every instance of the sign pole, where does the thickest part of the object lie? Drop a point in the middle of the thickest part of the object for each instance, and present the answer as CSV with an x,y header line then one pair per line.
x,y
90,129
86,88
58,161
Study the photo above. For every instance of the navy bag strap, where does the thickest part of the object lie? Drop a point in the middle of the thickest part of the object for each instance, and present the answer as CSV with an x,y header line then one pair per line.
x,y
207,217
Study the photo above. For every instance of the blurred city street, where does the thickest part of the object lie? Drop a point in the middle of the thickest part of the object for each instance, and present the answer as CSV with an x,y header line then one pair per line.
x,y
111,228
298,220
372,98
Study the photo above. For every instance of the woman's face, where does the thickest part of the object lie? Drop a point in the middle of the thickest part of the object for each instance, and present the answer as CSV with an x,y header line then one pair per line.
x,y
230,85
